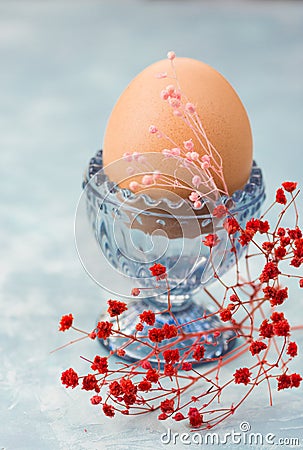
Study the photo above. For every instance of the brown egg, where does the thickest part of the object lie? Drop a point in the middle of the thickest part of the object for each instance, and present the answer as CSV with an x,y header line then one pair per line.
x,y
220,109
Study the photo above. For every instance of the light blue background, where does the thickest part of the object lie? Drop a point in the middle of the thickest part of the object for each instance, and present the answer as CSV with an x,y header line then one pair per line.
x,y
63,65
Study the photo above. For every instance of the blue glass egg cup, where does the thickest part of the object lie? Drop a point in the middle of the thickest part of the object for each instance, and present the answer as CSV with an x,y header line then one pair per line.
x,y
130,230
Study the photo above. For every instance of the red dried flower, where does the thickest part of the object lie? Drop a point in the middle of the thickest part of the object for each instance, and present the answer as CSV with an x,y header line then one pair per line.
x,y
211,240
284,241
292,349
263,226
66,322
231,225
108,410
234,298
269,292
139,327
195,417
256,347
280,252
253,225
169,370
96,399
270,271
225,315
129,399
280,197
104,329
281,231
301,283
277,316
148,317
289,186
152,375
158,271
167,406
199,352
115,389
169,331
268,246
295,380
144,386
90,383
128,386
296,262
284,382
179,416
281,328
121,352
242,376
296,233
162,416
220,211
266,329
135,292
171,356
70,378
116,308
186,366
245,237
280,296
289,381
156,335
100,364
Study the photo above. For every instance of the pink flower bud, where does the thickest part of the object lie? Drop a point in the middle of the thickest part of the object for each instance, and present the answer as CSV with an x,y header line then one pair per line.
x,y
175,151
166,152
194,196
153,129
161,75
164,94
205,165
190,108
127,156
171,55
197,204
170,89
174,102
205,158
196,180
156,175
134,186
147,180
188,145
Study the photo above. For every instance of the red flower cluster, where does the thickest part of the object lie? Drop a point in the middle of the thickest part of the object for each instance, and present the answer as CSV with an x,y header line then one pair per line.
x,y
70,378
90,383
116,308
104,329
199,352
100,364
242,376
195,417
231,225
280,197
211,240
66,322
292,349
276,296
289,381
167,406
158,271
270,272
148,317
279,326
256,347
289,186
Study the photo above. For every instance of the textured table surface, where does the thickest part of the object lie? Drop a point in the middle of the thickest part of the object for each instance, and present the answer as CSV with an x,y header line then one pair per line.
x,y
63,65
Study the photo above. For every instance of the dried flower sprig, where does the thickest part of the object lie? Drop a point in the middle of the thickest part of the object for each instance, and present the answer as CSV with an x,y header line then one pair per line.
x,y
251,306
202,163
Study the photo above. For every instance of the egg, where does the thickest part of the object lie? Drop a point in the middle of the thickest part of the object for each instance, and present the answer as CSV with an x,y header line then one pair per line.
x,y
218,106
